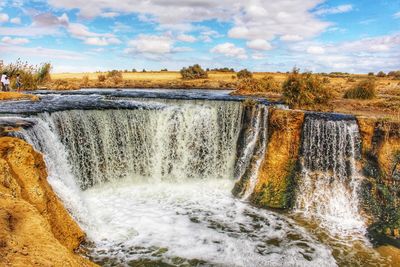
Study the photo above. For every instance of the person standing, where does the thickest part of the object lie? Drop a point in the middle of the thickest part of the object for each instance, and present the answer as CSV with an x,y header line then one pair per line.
x,y
3,80
7,84
18,83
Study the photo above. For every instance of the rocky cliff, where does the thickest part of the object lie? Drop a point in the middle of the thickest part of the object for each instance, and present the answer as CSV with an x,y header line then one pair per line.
x,y
35,228
276,177
381,167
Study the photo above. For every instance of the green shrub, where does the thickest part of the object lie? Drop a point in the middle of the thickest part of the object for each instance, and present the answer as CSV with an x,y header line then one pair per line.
x,y
365,89
193,72
304,89
244,74
371,74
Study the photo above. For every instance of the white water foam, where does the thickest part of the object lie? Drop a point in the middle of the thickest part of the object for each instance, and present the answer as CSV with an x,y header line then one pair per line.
x,y
194,220
329,182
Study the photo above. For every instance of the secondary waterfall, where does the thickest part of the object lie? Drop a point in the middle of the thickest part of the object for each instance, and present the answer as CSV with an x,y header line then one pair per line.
x,y
329,181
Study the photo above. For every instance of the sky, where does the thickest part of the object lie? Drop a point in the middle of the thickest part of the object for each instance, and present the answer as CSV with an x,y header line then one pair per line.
x,y
98,35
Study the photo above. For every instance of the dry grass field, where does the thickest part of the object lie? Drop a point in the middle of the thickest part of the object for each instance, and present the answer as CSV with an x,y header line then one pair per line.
x,y
385,105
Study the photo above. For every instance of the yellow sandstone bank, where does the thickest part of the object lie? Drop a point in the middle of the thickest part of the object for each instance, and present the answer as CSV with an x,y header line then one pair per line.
x,y
35,228
275,186
17,96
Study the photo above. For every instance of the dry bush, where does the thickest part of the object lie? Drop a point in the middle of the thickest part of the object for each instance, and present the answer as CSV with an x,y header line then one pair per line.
x,y
351,80
301,89
381,74
85,80
193,72
365,89
244,74
101,78
31,76
263,85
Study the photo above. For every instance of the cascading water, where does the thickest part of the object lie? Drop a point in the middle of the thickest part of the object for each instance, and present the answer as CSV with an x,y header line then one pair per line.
x,y
149,179
152,186
329,182
179,142
251,149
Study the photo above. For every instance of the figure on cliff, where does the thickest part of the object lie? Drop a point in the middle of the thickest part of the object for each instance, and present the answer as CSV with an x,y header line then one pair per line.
x,y
18,83
3,81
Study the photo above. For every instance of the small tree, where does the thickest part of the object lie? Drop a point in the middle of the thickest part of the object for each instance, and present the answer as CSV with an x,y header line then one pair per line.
x,y
381,74
244,74
43,74
365,89
193,72
371,74
304,89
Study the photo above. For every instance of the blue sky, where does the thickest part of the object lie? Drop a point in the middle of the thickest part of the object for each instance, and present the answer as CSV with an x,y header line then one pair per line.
x,y
315,35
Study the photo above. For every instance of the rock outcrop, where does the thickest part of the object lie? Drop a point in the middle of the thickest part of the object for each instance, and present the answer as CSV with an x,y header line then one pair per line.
x,y
276,178
35,228
381,167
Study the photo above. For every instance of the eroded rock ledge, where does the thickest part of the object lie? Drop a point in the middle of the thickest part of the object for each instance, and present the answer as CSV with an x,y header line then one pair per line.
x,y
35,228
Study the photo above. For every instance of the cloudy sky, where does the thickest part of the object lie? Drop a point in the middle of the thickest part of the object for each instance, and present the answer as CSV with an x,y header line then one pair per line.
x,y
316,35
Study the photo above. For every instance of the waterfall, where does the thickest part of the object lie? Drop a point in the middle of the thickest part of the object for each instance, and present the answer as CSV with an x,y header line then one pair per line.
x,y
329,181
180,141
251,149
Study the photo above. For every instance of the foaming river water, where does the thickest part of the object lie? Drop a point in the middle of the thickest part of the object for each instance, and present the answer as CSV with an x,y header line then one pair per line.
x,y
193,224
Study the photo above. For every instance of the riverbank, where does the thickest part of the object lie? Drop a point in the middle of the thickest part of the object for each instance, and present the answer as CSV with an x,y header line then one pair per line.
x,y
17,96
36,228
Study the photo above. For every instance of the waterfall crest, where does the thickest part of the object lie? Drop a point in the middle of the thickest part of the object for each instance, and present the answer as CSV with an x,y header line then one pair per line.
x,y
329,181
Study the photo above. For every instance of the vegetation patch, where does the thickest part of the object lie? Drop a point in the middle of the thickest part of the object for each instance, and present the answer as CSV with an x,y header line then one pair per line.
x,y
302,89
193,72
365,89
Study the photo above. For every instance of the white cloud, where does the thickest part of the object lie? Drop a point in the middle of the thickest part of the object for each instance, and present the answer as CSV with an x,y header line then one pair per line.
x,y
101,41
4,17
109,14
258,56
291,38
230,50
14,41
251,19
259,44
334,10
151,44
186,38
397,15
41,52
16,20
317,50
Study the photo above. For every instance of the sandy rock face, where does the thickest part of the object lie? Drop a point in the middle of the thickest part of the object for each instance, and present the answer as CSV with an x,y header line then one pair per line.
x,y
35,228
275,186
381,166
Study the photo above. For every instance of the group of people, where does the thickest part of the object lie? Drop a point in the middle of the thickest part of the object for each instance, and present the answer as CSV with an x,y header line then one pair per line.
x,y
5,82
